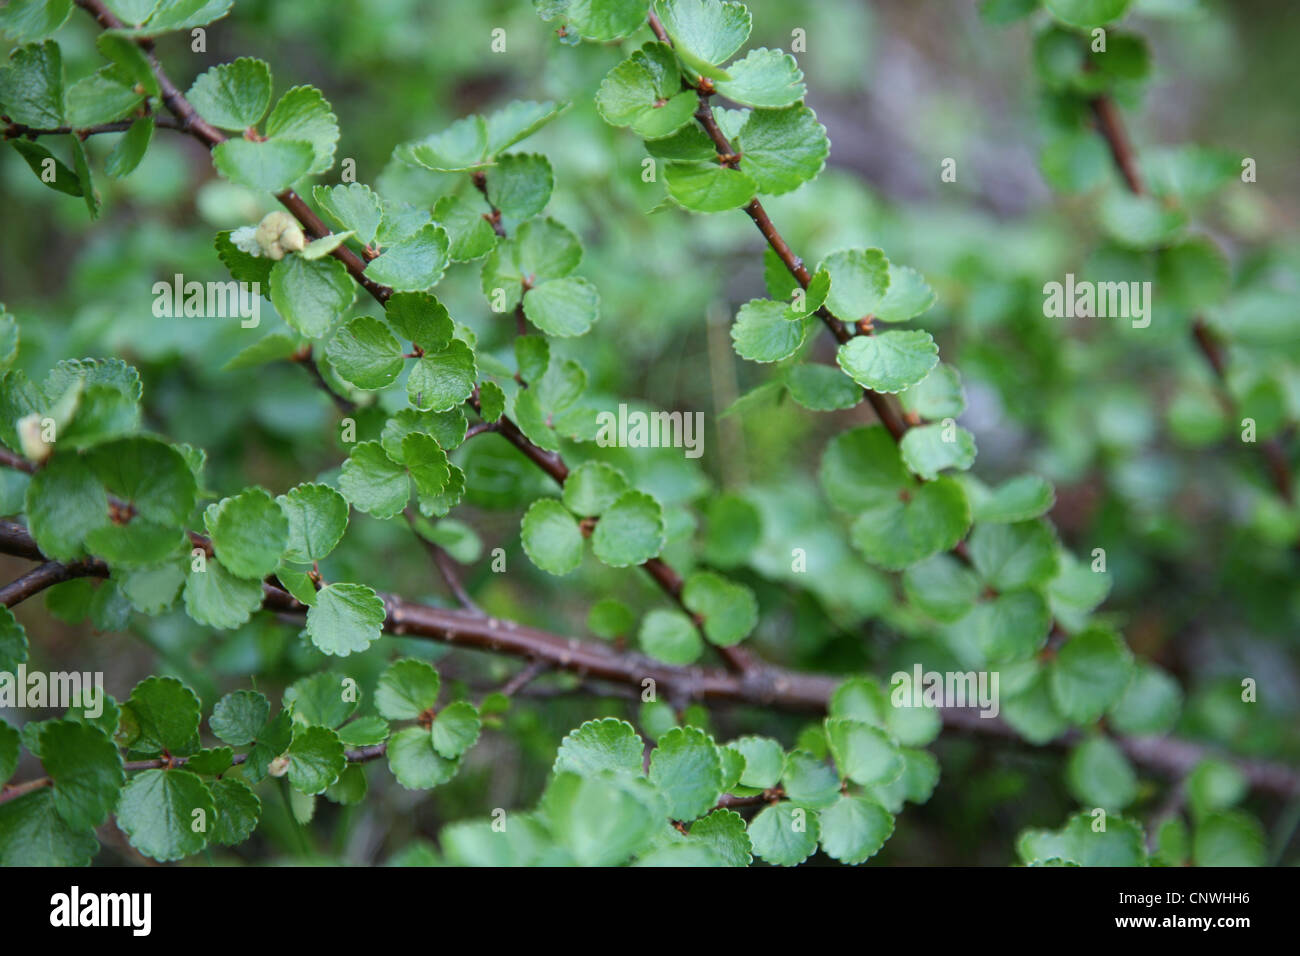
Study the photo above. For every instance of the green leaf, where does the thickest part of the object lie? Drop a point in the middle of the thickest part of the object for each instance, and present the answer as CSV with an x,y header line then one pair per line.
x,y
600,20
86,771
854,829
863,753
163,714
822,388
671,637
896,534
415,262
238,717
64,503
316,759
365,353
100,98
310,294
1013,556
764,761
1016,499
1080,842
599,821
610,618
563,307
1229,839
705,33
764,332
491,401
686,768
860,281
1087,13
1011,627
930,449
234,95
345,619
723,833
8,745
938,395
364,731
216,598
909,295
238,810
708,187
39,159
592,487
784,834
1214,785
1099,775
414,762
942,587
862,468
31,85
318,516
764,78
463,216
600,745
33,834
889,361
630,531
783,149
1089,674
730,610
810,781
137,544
645,93
1032,712
407,689
1150,703
551,538
372,482
442,380
157,811
304,115
461,146
272,165
249,532
421,319
353,206
130,149
1142,222
455,729
322,699
447,429
25,20
520,184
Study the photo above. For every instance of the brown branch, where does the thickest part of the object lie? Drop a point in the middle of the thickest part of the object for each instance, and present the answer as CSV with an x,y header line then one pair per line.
x,y
14,791
446,569
306,360
35,581
190,122
1111,126
765,686
18,130
885,411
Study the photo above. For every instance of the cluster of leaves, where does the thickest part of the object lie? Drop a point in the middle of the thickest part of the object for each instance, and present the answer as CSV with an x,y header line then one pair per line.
x,y
610,800
983,576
